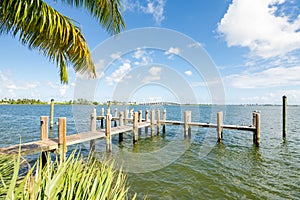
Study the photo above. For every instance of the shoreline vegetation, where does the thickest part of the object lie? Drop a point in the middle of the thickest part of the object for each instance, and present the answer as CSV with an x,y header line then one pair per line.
x,y
74,178
25,101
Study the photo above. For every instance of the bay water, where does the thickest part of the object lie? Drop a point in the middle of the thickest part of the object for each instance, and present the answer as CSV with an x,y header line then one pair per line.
x,y
204,169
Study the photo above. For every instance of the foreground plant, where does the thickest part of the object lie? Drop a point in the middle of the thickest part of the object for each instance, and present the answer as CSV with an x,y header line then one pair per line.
x,y
73,179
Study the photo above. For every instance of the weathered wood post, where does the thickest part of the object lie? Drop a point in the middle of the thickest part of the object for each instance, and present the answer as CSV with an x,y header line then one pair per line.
x,y
219,126
125,116
140,112
257,142
284,104
158,121
146,120
115,117
108,107
51,113
102,118
146,115
121,124
135,127
44,128
164,119
93,127
62,132
44,135
108,133
152,122
254,124
187,119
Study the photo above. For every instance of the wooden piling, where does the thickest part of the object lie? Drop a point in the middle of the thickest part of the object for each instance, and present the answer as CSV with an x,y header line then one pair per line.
x,y
44,136
158,121
108,133
102,112
140,118
135,127
125,116
284,104
102,119
44,127
152,121
187,119
254,124
146,115
93,128
62,133
164,119
219,126
116,112
121,124
146,120
51,113
257,142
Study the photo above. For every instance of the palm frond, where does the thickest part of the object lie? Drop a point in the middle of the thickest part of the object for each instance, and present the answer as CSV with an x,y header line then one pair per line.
x,y
41,27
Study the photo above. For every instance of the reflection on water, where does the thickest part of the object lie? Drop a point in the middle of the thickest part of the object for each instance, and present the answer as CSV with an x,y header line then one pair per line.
x,y
235,169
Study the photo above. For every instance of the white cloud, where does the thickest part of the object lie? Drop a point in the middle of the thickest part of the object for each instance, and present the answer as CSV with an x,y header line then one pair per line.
x,y
63,89
195,45
152,7
155,8
255,24
272,77
11,85
172,50
116,55
142,56
188,73
119,74
154,75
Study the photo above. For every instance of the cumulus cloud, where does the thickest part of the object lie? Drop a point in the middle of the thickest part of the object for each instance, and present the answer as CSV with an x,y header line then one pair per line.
x,y
142,56
152,7
188,73
116,55
256,24
172,50
154,75
273,77
119,74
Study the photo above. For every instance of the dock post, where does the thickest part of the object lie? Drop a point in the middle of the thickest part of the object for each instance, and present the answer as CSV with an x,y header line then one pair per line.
x,y
152,121
44,135
121,124
219,126
108,133
257,142
115,117
44,127
254,124
62,132
158,121
284,103
187,119
102,118
146,120
93,128
164,119
140,112
51,113
125,116
135,128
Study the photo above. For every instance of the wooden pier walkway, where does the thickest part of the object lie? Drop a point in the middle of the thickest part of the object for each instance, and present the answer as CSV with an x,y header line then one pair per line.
x,y
125,124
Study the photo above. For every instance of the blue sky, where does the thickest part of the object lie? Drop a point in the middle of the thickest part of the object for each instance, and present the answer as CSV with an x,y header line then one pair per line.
x,y
254,45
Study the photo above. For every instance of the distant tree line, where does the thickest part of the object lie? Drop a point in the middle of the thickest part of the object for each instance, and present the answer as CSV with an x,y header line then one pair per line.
x,y
21,101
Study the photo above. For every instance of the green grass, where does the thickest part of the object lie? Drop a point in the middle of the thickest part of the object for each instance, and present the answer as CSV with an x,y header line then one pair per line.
x,y
75,178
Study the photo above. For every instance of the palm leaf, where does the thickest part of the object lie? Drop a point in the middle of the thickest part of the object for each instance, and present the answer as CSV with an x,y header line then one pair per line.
x,y
41,27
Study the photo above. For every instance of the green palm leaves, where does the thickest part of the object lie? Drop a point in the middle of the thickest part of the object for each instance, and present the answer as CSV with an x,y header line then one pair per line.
x,y
39,26
73,179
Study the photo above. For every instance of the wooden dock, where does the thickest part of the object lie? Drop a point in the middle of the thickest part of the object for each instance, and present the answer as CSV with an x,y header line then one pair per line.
x,y
122,124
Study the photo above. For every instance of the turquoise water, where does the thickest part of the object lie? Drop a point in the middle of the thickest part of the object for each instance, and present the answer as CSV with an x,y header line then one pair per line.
x,y
235,169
